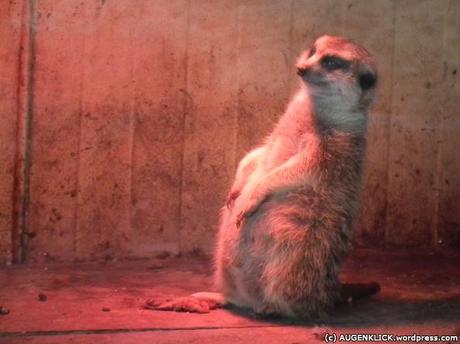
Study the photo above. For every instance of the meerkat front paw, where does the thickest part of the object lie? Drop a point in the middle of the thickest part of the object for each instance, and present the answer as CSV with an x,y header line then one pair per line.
x,y
250,208
234,194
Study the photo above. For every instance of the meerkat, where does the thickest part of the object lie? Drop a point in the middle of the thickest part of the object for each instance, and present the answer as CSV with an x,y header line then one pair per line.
x,y
287,222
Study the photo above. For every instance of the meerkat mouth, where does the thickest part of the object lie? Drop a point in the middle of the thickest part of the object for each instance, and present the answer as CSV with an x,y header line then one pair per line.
x,y
313,80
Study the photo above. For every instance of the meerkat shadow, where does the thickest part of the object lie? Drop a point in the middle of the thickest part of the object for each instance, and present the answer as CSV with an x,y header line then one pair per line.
x,y
387,310
376,311
351,292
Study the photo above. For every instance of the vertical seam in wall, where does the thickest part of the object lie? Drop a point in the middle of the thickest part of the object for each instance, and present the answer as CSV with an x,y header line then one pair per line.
x,y
17,184
236,134
184,116
28,127
132,128
24,133
387,181
290,75
342,15
77,182
80,131
439,132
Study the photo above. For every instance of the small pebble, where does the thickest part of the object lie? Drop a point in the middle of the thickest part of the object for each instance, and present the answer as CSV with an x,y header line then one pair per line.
x,y
4,311
163,255
105,309
319,333
42,297
155,267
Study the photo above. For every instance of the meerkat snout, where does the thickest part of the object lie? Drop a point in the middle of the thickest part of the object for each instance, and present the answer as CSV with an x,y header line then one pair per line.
x,y
301,71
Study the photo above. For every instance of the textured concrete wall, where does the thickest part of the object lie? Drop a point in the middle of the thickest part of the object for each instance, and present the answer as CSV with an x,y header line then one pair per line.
x,y
10,104
140,113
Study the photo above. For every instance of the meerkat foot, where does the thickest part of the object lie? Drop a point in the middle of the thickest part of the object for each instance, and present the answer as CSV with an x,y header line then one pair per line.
x,y
182,304
197,303
218,298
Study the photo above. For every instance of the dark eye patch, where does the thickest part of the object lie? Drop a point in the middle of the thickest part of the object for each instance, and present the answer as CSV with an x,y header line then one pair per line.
x,y
367,81
331,63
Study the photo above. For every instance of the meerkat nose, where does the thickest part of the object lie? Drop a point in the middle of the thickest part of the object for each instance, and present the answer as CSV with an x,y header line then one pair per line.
x,y
301,71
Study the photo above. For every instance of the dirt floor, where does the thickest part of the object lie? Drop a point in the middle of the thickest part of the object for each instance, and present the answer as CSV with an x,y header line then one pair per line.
x,y
102,303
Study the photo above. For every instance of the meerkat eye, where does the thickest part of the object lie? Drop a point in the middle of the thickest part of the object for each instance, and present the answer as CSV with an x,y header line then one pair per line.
x,y
331,63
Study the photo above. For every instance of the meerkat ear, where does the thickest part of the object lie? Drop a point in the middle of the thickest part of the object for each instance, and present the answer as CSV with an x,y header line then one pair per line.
x,y
367,80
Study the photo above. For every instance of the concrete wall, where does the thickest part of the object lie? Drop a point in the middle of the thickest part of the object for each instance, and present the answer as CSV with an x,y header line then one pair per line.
x,y
10,57
121,122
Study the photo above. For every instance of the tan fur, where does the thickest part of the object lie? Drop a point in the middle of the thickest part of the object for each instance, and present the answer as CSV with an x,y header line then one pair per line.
x,y
287,223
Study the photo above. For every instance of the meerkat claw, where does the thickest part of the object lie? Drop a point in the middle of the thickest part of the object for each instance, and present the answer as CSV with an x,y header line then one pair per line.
x,y
242,217
239,219
245,214
231,198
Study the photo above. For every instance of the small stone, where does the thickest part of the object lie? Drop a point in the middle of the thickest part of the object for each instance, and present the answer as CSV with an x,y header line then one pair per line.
x,y
4,311
105,309
42,297
319,333
163,255
155,267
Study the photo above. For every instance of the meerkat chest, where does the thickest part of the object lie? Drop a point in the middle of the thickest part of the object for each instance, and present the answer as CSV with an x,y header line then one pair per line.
x,y
280,149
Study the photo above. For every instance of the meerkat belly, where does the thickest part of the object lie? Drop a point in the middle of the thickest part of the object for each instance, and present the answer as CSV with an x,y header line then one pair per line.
x,y
283,249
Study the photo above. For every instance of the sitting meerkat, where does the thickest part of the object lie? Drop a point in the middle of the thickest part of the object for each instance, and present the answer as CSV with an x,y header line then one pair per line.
x,y
287,223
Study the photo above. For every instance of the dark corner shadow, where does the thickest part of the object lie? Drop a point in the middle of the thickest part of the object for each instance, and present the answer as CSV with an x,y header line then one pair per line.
x,y
378,311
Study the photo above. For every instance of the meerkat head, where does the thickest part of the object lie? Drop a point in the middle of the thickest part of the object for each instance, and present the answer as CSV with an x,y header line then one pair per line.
x,y
341,77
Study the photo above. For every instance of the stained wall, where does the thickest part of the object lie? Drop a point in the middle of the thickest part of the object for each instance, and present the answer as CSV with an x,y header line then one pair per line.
x,y
121,122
